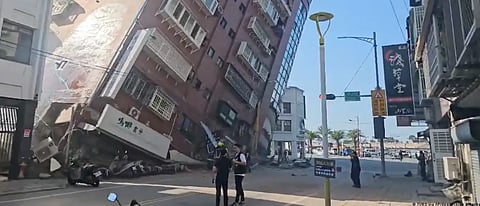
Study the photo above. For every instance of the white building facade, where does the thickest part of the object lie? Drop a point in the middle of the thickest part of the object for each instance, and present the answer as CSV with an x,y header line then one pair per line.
x,y
24,25
289,132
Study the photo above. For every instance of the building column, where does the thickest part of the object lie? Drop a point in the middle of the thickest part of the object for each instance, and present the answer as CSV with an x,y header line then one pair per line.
x,y
23,136
294,150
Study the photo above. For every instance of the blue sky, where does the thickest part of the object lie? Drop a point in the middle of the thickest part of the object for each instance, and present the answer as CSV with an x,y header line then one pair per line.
x,y
344,57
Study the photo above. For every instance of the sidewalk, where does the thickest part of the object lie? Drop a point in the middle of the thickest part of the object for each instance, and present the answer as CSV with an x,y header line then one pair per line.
x,y
30,185
392,190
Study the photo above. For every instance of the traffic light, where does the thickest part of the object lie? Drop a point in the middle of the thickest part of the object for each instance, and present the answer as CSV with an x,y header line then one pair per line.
x,y
329,96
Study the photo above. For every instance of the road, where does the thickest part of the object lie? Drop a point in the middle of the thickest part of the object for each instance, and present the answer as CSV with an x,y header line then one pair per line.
x,y
265,186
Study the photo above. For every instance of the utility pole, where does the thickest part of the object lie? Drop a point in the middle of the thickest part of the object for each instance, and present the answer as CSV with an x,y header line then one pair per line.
x,y
378,121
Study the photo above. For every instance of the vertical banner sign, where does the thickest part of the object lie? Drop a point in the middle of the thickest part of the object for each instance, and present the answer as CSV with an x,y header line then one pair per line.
x,y
398,82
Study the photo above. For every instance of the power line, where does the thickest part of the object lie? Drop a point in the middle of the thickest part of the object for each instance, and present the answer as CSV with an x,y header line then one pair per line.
x,y
56,57
358,69
406,5
398,21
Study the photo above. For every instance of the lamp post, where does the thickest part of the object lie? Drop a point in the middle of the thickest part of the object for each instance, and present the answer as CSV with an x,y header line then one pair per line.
x,y
377,120
358,146
317,18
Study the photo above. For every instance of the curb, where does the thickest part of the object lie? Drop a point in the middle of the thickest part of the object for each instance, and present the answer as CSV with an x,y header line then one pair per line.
x,y
32,190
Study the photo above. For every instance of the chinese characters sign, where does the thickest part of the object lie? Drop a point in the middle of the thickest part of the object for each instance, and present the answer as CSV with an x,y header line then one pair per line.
x,y
324,168
122,122
398,82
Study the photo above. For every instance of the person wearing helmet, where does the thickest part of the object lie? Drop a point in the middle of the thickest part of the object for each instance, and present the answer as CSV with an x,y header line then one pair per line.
x,y
221,170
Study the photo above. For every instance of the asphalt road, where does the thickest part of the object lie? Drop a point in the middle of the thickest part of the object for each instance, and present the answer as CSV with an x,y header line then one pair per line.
x,y
265,186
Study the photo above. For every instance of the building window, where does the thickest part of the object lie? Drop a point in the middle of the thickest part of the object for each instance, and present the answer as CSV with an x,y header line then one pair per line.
x,y
162,105
16,43
278,126
136,86
211,52
207,93
231,33
197,84
220,62
223,23
242,8
287,108
186,124
287,125
226,113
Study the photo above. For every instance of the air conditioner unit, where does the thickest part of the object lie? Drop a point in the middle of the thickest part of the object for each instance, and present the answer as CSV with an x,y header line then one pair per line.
x,y
451,168
45,149
134,112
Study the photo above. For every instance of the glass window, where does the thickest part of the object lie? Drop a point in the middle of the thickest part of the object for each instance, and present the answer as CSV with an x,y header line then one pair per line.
x,y
178,11
231,33
223,23
16,42
195,30
287,125
211,52
184,18
220,62
287,108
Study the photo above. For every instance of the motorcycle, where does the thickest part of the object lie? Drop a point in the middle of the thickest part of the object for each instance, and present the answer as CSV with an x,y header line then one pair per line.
x,y
456,194
83,173
112,197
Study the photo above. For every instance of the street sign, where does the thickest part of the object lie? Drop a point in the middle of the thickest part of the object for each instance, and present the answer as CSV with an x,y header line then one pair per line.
x,y
379,107
352,96
324,167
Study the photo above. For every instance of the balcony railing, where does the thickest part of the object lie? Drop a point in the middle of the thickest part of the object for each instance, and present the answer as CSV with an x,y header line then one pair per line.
x,y
283,7
248,57
167,55
208,6
259,34
240,85
184,24
268,10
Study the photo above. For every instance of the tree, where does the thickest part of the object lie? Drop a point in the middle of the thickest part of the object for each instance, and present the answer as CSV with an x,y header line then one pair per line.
x,y
337,135
354,134
320,133
310,135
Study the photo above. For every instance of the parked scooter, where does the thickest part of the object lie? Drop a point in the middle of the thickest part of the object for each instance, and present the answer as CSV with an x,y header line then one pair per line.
x,y
121,166
83,173
112,197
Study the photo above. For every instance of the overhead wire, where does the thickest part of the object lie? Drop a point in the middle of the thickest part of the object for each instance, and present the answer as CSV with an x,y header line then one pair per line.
x,y
57,57
358,69
398,21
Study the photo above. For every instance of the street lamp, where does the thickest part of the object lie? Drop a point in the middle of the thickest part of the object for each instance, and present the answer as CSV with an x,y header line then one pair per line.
x,y
358,146
317,18
378,121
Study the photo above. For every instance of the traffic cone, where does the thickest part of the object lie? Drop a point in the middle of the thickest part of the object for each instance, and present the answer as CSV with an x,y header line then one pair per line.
x,y
21,174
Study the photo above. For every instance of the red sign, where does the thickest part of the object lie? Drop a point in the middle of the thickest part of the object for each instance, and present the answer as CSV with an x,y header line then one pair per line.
x,y
26,132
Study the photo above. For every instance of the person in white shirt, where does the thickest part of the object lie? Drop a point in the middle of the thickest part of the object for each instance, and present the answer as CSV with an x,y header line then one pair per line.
x,y
240,169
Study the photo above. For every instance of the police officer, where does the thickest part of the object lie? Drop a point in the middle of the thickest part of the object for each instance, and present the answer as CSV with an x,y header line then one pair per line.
x,y
221,169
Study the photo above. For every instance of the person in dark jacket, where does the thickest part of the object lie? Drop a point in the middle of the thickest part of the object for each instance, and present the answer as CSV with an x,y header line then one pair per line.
x,y
355,170
422,163
221,169
240,169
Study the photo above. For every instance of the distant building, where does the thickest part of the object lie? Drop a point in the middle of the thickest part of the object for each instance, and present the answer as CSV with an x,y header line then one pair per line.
x,y
289,132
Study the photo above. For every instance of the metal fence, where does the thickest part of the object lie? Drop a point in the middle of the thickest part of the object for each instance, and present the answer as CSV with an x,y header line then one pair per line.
x,y
8,123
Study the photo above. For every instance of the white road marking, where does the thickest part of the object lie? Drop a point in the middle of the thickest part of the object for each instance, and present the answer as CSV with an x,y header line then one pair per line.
x,y
83,191
59,194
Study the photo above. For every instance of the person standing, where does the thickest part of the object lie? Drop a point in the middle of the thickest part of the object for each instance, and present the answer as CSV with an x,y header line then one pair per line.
x,y
240,169
221,169
422,163
355,170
